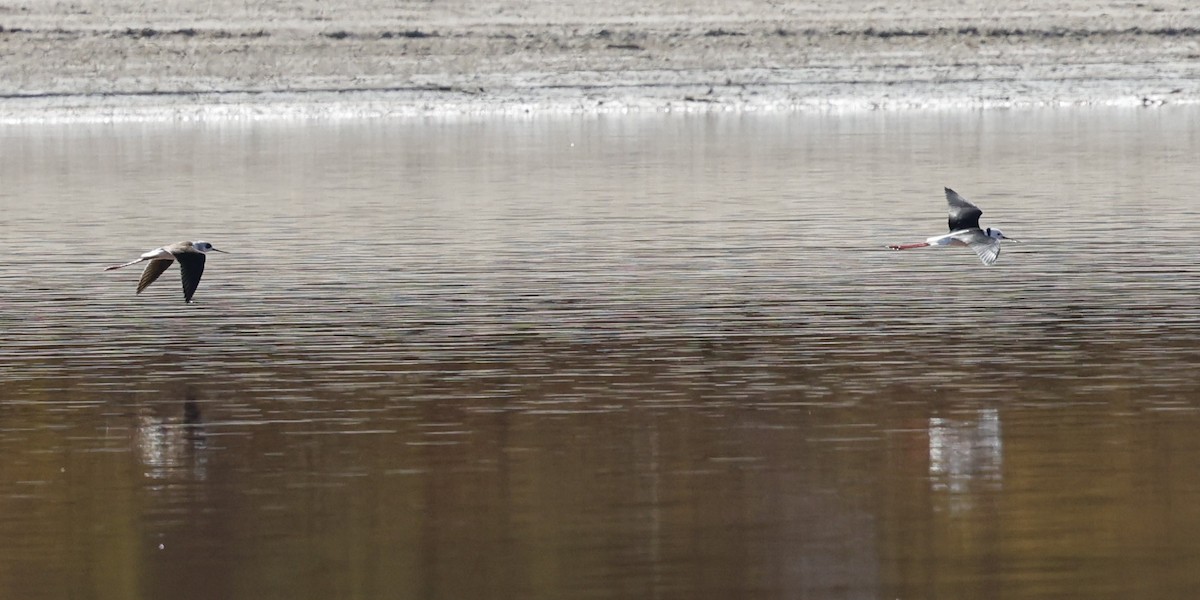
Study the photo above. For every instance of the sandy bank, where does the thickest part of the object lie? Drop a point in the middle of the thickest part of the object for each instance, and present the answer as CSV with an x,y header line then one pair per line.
x,y
115,59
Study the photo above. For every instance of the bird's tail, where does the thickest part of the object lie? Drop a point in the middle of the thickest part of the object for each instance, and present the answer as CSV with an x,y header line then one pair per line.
x,y
908,246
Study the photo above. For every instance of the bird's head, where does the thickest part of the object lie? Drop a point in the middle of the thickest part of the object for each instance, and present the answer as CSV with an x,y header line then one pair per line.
x,y
205,247
996,234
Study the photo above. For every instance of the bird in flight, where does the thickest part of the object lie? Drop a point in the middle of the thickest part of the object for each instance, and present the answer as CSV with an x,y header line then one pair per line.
x,y
965,231
190,256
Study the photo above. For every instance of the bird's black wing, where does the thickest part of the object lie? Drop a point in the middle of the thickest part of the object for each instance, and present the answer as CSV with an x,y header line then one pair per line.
x,y
153,269
963,214
191,266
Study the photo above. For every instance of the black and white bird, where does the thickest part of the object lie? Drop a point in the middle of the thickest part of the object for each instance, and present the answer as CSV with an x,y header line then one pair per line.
x,y
965,231
190,256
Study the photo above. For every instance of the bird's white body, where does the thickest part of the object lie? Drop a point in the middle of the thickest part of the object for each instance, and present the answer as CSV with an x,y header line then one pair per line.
x,y
156,254
964,237
949,239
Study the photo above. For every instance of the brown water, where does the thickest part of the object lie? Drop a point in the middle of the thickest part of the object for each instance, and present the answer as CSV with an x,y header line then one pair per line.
x,y
603,357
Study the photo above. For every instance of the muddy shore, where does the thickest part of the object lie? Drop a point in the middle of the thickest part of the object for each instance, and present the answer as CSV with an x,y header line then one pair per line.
x,y
136,59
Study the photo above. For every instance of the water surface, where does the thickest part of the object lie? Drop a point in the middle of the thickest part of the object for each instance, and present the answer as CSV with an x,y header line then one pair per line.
x,y
618,356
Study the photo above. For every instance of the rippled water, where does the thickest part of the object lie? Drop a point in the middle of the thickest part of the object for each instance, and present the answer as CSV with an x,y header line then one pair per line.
x,y
634,356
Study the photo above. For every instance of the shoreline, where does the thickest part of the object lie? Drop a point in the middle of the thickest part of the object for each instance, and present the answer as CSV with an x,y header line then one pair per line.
x,y
415,104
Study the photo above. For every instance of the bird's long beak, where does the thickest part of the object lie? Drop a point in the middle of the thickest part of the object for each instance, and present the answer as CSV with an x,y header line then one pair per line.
x,y
221,251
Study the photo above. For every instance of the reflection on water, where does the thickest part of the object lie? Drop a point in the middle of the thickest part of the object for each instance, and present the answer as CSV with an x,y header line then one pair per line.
x,y
965,452
610,357
172,446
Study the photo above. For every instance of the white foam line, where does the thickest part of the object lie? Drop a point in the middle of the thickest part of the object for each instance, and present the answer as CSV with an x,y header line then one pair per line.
x,y
407,104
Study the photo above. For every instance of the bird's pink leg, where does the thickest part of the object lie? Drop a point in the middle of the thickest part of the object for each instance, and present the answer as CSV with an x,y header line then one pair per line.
x,y
908,246
132,262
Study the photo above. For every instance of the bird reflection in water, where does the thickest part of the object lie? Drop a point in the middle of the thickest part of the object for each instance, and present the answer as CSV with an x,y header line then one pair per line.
x,y
965,456
172,446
